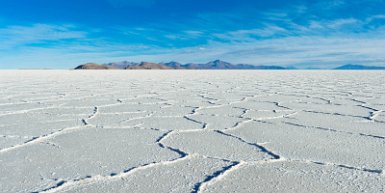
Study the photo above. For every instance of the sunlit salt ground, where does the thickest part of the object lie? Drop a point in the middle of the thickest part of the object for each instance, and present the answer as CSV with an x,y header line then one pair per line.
x,y
192,131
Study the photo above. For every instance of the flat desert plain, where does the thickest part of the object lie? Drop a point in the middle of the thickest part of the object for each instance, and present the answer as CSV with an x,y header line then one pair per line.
x,y
192,131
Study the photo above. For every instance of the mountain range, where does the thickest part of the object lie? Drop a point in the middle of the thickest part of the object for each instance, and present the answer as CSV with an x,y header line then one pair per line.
x,y
217,64
359,67
213,65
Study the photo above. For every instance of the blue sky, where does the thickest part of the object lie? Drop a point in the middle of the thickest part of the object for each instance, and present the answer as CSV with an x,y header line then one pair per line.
x,y
315,34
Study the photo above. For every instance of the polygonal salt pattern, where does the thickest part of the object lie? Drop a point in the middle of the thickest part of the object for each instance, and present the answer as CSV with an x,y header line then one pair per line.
x,y
192,131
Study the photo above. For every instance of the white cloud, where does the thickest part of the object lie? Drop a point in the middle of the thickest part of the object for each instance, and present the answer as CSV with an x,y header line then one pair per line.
x,y
339,23
11,36
375,17
251,34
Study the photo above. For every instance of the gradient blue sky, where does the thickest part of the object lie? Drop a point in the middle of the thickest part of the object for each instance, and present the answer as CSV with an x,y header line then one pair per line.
x,y
316,34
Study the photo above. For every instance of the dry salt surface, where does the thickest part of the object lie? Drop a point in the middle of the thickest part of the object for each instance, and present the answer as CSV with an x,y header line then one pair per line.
x,y
192,131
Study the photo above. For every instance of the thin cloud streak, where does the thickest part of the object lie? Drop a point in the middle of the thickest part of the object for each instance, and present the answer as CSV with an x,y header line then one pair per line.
x,y
12,36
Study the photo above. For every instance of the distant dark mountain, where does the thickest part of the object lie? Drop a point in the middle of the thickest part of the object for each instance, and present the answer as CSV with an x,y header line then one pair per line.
x,y
173,64
218,64
213,65
93,66
194,66
269,68
359,67
122,65
147,66
314,68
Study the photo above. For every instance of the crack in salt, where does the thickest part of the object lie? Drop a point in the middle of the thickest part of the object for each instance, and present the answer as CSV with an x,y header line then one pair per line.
x,y
41,138
93,179
216,176
333,130
260,147
375,171
94,113
204,125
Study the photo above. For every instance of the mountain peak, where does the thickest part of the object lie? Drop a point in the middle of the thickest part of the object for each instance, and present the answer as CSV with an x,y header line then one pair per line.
x,y
218,62
173,64
93,66
359,67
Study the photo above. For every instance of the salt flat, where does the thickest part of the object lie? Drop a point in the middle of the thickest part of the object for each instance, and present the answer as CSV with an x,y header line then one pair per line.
x,y
192,131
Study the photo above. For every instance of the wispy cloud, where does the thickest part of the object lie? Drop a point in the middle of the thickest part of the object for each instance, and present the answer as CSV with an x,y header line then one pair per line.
x,y
251,34
13,36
